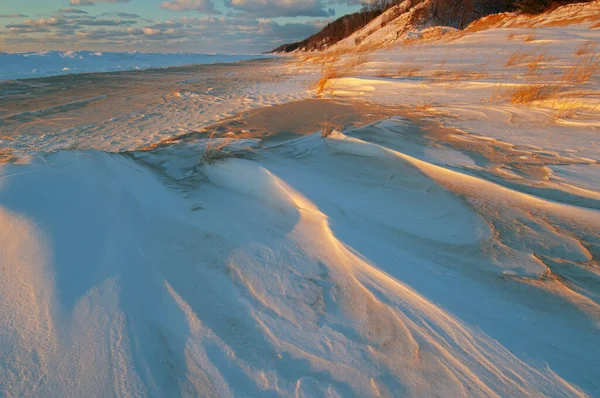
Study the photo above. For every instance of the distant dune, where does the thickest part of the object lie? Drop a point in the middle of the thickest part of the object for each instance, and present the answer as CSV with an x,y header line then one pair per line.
x,y
407,16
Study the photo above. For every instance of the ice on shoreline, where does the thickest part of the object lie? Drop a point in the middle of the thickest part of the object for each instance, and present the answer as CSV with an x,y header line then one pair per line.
x,y
52,63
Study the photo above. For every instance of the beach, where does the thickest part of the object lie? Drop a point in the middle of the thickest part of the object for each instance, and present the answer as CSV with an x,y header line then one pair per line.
x,y
229,230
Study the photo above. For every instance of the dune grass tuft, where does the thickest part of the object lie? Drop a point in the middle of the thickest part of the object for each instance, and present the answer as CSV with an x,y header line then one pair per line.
x,y
216,149
408,70
219,148
589,47
328,73
532,60
582,72
530,93
334,124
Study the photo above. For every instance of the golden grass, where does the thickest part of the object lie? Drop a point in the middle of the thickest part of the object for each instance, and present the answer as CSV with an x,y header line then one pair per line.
x,y
336,62
534,63
423,106
589,47
445,75
370,47
525,94
487,22
498,94
408,70
531,93
567,108
573,21
337,123
357,60
563,92
328,73
582,72
532,60
217,149
457,75
516,58
322,57
441,71
332,67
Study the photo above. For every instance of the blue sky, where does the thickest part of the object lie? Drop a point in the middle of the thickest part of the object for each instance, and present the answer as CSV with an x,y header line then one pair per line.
x,y
241,26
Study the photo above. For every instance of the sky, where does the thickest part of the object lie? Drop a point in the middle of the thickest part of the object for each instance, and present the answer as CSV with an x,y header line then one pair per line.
x,y
200,26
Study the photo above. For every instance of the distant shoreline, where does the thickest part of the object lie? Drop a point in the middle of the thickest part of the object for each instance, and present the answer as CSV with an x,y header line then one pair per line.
x,y
135,108
21,66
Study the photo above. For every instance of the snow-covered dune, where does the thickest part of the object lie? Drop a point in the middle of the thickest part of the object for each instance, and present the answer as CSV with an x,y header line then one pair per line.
x,y
449,248
333,266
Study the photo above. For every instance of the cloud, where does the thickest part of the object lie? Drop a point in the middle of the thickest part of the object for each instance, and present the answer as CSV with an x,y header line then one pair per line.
x,y
243,28
103,22
352,2
203,6
64,26
71,11
80,3
195,34
120,15
45,22
280,8
13,16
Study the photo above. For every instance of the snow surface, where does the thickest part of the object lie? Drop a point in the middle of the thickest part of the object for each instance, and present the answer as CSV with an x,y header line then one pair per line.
x,y
51,63
316,267
451,252
132,110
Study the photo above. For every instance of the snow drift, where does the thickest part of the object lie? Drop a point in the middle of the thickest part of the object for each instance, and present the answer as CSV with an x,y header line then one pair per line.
x,y
316,266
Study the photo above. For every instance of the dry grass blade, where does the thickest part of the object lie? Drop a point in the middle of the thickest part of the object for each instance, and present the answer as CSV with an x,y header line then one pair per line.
x,y
498,94
531,59
589,47
529,93
328,73
334,124
583,72
441,71
409,70
423,106
358,60
217,148
534,63
516,58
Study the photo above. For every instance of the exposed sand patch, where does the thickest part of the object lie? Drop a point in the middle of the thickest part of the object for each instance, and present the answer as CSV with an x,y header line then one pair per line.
x,y
298,118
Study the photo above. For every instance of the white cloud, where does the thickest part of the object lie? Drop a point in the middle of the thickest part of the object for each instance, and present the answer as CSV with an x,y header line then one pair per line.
x,y
243,28
203,6
13,16
280,8
92,2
